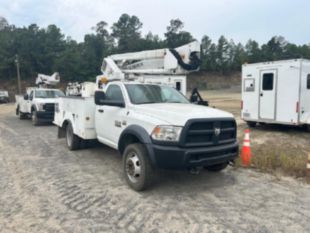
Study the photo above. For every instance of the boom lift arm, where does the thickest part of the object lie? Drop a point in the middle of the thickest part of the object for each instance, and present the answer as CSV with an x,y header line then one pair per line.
x,y
46,80
179,61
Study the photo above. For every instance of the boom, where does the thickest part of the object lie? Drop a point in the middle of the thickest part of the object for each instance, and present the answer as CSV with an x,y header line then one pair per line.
x,y
46,80
161,66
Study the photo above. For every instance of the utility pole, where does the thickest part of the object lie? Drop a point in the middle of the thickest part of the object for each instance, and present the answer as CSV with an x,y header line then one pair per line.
x,y
18,75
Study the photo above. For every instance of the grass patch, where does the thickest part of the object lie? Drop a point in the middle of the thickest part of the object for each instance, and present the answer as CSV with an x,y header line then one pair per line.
x,y
288,161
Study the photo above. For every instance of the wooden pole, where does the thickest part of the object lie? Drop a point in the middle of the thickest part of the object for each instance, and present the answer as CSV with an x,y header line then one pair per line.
x,y
18,75
308,164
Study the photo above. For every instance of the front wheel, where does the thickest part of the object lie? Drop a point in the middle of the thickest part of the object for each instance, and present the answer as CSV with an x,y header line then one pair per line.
x,y
21,115
217,167
73,141
34,118
137,167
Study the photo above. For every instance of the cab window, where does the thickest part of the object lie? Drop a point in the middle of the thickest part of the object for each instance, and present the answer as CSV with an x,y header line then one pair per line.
x,y
114,93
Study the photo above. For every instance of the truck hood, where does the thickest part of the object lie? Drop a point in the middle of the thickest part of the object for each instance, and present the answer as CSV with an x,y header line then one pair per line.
x,y
179,114
46,100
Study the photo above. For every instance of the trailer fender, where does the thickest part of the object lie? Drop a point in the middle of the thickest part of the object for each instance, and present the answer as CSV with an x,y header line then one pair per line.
x,y
136,134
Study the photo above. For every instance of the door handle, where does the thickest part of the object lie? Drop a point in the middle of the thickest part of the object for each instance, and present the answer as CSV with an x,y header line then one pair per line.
x,y
101,110
261,94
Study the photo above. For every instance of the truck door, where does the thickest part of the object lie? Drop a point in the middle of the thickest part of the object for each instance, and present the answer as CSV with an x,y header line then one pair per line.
x,y
29,101
267,94
109,119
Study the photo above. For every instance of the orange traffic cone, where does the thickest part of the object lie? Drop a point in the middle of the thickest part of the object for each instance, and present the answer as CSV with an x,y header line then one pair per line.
x,y
246,149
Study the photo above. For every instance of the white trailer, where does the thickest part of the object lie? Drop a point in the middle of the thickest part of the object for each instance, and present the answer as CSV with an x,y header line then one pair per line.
x,y
276,92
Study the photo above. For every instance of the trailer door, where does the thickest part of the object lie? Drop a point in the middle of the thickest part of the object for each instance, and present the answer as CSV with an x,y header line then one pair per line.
x,y
267,94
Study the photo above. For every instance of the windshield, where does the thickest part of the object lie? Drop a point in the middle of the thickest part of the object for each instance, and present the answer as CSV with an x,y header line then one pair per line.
x,y
149,94
49,94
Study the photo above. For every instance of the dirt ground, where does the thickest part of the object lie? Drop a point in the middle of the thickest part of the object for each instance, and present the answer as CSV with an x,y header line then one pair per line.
x,y
46,188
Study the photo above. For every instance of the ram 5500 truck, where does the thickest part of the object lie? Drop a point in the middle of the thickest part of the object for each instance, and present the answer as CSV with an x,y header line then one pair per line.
x,y
152,126
139,108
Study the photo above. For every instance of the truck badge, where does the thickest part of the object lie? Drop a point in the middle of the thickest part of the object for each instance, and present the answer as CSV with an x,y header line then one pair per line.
x,y
217,131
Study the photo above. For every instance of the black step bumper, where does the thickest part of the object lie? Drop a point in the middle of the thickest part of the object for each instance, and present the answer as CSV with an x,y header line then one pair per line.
x,y
174,157
44,116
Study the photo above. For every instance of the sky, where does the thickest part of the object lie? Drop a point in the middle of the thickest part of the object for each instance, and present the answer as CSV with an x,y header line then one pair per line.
x,y
239,20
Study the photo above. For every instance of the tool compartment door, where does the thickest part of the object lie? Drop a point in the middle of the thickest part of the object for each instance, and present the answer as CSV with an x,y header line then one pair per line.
x,y
267,94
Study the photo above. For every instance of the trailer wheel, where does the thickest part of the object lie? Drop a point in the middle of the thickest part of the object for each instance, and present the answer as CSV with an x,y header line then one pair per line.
x,y
251,124
73,141
217,167
34,118
138,170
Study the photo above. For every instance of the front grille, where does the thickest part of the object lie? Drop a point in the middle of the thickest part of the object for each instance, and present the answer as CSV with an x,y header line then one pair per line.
x,y
209,132
49,107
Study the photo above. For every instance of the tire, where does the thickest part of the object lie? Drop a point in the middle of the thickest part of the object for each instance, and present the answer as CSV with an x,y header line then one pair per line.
x,y
217,167
73,141
251,124
22,116
137,167
34,118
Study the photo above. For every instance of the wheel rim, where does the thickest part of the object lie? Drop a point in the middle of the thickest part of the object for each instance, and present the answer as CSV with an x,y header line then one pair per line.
x,y
69,135
33,116
133,167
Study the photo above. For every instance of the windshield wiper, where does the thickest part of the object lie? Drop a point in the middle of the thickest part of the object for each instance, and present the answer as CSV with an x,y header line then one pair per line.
x,y
174,102
148,102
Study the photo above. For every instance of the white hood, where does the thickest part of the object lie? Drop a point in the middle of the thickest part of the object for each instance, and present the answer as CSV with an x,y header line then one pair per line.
x,y
46,100
179,114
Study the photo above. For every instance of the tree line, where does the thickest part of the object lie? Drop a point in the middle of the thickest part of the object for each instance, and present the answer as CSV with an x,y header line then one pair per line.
x,y
46,50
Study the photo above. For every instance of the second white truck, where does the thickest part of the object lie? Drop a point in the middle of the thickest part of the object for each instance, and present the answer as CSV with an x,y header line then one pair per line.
x,y
151,125
38,103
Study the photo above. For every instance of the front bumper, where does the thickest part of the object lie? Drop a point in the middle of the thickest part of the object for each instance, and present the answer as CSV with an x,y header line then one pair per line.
x,y
174,157
45,116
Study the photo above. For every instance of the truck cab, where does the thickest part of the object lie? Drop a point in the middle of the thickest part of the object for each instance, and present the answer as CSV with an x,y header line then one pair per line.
x,y
38,103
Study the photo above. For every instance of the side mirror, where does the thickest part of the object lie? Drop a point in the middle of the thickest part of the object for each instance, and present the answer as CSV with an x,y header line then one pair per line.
x,y
100,99
26,97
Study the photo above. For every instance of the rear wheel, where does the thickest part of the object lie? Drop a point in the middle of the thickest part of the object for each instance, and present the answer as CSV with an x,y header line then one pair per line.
x,y
217,167
137,166
73,141
34,118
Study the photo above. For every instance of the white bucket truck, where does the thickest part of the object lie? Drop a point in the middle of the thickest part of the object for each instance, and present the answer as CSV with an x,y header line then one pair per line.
x,y
4,96
137,110
39,102
276,92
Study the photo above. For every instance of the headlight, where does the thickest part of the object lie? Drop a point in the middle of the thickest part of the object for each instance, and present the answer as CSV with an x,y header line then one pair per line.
x,y
167,133
40,107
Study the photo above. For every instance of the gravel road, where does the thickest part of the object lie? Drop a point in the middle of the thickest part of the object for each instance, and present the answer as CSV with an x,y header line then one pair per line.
x,y
46,188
